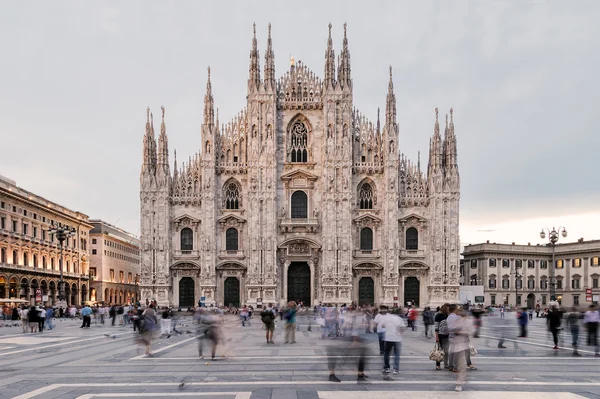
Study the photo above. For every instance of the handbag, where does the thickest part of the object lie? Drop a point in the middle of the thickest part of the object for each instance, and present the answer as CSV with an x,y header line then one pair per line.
x,y
472,349
437,354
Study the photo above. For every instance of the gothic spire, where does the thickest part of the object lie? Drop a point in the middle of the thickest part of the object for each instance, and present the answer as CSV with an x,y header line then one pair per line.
x,y
378,122
390,108
254,77
450,144
163,142
329,80
270,63
209,105
435,148
149,145
344,64
175,171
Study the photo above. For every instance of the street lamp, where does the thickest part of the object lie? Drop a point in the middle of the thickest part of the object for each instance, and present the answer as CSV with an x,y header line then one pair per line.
x,y
61,233
553,236
517,279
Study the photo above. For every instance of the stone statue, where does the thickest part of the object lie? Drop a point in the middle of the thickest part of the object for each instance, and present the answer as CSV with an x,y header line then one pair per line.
x,y
282,211
316,212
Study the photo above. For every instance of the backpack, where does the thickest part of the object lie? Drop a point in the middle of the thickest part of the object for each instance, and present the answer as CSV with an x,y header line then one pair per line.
x,y
120,310
267,316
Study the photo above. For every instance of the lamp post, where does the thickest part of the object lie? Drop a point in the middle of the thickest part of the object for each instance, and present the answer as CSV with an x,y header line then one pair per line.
x,y
61,233
517,277
553,236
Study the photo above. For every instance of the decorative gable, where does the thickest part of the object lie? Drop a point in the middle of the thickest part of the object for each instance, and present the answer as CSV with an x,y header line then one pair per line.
x,y
367,220
231,220
185,221
299,179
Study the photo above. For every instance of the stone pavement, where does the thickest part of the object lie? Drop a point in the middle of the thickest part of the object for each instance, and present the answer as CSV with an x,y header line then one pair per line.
x,y
104,361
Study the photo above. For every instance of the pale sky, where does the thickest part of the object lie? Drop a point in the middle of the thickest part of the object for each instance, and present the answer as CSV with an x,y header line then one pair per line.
x,y
76,78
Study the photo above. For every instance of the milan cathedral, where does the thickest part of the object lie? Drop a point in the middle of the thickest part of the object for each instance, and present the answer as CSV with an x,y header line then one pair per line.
x,y
300,197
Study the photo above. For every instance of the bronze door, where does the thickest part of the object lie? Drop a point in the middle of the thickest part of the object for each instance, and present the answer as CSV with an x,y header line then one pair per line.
x,y
366,291
299,283
411,291
186,292
232,292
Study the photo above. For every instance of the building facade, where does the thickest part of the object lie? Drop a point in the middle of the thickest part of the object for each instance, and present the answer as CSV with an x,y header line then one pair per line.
x,y
520,274
300,197
30,258
114,264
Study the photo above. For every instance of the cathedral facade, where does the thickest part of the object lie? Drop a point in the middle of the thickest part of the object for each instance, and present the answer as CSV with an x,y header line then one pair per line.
x,y
300,197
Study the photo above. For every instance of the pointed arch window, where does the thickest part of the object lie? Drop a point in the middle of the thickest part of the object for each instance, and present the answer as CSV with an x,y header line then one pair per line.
x,y
298,142
3,255
231,239
412,239
366,239
365,196
187,239
299,205
231,195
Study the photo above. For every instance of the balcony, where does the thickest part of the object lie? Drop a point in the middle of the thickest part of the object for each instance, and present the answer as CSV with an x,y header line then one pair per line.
x,y
232,254
192,254
368,168
364,254
412,254
299,225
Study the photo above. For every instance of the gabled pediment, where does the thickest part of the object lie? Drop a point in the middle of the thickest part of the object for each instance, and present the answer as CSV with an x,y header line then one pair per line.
x,y
412,217
367,219
186,220
299,174
231,219
299,179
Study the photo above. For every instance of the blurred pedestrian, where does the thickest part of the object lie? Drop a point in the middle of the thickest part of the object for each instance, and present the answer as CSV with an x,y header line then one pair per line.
x,y
591,320
290,323
573,324
428,321
460,331
523,319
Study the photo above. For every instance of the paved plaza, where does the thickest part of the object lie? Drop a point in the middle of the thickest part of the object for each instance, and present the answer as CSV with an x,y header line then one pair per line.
x,y
106,362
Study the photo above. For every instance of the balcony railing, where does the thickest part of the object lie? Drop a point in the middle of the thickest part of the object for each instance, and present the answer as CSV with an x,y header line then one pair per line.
x,y
412,253
362,253
187,254
289,225
239,254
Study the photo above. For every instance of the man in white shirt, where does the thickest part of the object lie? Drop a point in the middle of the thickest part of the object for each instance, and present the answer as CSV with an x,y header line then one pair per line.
x,y
591,320
380,329
394,327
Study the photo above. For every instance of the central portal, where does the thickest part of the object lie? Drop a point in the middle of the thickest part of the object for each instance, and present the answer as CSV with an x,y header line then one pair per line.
x,y
366,291
232,292
298,282
411,291
186,292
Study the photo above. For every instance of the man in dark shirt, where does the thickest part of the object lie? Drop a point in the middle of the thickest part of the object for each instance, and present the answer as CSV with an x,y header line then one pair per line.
x,y
554,323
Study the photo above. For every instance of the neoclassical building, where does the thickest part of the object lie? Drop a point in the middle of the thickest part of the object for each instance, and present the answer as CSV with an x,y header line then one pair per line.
x,y
30,257
300,197
520,274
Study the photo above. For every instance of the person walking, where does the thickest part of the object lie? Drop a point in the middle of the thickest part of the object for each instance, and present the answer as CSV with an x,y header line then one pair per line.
x,y
442,333
428,321
32,317
554,322
477,313
23,314
573,324
267,316
41,318
591,320
522,318
49,317
290,323
394,328
165,323
380,328
86,314
460,331
149,326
